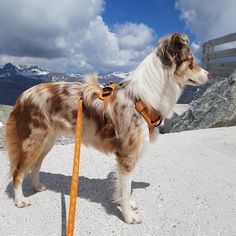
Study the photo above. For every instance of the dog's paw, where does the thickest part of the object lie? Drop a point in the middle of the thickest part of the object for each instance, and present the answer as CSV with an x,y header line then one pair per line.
x,y
133,205
23,202
132,218
40,187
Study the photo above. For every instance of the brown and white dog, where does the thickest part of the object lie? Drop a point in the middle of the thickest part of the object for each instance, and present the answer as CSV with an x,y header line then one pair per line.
x,y
45,111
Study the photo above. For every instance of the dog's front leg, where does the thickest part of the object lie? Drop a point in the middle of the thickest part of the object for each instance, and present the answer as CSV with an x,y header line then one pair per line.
x,y
123,191
130,216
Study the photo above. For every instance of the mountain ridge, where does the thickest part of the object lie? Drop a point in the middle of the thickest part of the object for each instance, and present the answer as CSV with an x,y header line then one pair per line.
x,y
14,79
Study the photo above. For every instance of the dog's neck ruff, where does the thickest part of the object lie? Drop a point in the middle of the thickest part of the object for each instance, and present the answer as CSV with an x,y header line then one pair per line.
x,y
152,117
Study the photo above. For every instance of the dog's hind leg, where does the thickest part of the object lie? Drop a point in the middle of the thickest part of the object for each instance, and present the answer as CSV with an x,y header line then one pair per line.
x,y
123,192
20,199
50,141
32,148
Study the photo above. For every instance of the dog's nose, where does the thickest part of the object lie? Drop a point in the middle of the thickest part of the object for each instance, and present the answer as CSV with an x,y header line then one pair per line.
x,y
208,75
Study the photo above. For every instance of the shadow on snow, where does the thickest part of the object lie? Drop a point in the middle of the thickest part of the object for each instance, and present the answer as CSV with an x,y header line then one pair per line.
x,y
94,190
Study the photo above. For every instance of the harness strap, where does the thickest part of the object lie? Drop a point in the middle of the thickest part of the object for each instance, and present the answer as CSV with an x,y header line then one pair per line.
x,y
153,119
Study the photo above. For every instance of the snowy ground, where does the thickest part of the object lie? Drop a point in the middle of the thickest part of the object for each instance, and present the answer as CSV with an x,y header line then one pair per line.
x,y
185,184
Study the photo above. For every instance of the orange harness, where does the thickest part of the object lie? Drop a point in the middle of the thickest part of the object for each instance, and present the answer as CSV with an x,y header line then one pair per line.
x,y
153,118
107,93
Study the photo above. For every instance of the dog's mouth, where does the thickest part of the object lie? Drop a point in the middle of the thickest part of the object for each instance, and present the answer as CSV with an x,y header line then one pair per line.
x,y
192,81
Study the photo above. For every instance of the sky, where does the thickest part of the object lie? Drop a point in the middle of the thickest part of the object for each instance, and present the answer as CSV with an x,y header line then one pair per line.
x,y
82,36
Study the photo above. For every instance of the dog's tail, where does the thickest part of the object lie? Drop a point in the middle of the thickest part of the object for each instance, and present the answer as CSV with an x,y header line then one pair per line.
x,y
91,89
91,79
12,143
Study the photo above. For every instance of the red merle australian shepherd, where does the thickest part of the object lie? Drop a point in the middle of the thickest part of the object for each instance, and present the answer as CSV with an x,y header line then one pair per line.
x,y
45,111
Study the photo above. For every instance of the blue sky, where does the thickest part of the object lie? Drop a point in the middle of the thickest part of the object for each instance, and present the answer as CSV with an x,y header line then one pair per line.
x,y
81,36
160,15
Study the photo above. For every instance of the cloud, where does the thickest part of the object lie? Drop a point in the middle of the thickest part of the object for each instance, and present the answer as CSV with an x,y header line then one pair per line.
x,y
38,28
135,36
208,19
69,35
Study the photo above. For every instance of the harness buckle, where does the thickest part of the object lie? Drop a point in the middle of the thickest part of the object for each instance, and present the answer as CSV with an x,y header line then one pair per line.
x,y
157,123
106,91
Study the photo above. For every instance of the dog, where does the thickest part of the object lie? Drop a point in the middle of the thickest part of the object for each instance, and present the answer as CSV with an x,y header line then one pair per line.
x,y
46,111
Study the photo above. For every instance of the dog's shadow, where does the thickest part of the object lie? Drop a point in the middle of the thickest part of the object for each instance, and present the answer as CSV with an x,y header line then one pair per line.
x,y
94,190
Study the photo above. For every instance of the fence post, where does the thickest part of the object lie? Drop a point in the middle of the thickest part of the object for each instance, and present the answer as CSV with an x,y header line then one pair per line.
x,y
206,49
220,63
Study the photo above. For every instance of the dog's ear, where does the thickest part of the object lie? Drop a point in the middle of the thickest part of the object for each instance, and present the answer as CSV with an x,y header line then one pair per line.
x,y
164,52
178,41
172,49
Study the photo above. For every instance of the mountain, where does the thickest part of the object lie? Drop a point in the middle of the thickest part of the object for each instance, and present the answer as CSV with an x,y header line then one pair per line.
x,y
23,70
8,70
14,79
191,93
12,86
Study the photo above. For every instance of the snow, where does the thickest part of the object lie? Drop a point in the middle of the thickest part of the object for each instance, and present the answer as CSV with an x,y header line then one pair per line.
x,y
185,184
33,72
121,75
1,124
30,70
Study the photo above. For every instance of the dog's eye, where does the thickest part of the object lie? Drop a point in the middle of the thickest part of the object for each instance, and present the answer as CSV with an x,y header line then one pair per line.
x,y
190,66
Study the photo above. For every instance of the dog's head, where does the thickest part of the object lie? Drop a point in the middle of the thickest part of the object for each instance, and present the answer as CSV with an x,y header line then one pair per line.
x,y
175,53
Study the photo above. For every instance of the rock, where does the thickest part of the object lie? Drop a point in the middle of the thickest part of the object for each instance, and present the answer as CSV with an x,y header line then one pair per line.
x,y
1,137
178,109
215,108
4,113
64,140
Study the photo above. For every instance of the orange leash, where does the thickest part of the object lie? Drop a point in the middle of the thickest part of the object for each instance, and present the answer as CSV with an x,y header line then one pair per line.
x,y
75,174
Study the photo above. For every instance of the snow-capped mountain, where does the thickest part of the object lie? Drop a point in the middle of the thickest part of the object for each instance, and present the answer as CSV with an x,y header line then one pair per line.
x,y
21,70
8,70
14,79
34,72
121,74
31,70
115,77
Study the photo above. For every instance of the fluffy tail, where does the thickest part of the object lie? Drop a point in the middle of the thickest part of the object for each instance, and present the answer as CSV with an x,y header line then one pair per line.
x,y
12,143
92,80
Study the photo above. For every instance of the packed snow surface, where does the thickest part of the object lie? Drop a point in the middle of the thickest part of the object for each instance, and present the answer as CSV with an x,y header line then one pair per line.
x,y
185,184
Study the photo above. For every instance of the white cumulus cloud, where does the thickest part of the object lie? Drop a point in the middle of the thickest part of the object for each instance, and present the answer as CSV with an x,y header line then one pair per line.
x,y
69,35
135,36
208,19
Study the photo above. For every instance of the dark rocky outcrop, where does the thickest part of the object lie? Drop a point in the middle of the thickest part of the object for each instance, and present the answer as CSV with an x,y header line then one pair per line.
x,y
215,108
